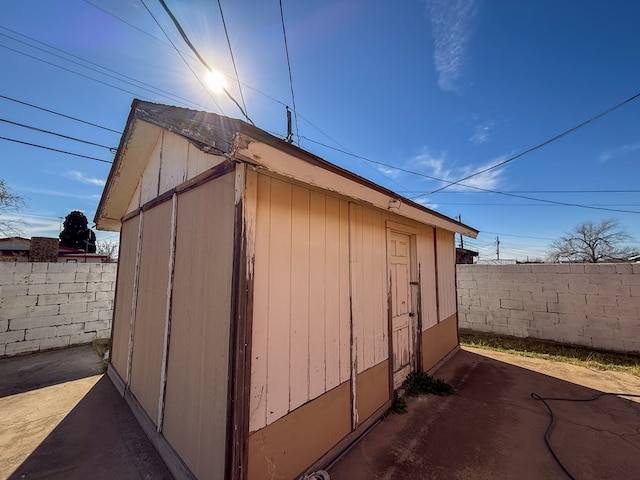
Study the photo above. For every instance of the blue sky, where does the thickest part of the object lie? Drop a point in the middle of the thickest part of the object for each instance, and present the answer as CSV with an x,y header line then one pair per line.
x,y
442,88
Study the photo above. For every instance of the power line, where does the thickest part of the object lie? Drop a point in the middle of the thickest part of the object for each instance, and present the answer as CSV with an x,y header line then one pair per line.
x,y
233,60
566,204
181,56
55,150
540,145
151,88
60,114
531,191
111,149
286,49
197,54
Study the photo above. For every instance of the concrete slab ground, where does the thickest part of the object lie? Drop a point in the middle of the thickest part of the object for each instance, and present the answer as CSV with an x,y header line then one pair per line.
x,y
492,428
60,418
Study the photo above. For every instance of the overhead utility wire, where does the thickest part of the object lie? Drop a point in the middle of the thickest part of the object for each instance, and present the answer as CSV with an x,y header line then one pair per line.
x,y
197,54
233,60
540,145
245,85
286,49
111,149
60,114
468,186
151,89
182,57
55,150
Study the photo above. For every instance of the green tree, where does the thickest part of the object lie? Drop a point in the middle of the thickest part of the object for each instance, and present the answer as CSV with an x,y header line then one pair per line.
x,y
592,242
77,234
9,203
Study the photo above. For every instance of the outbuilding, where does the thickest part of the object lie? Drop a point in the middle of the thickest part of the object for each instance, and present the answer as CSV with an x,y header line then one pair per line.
x,y
268,302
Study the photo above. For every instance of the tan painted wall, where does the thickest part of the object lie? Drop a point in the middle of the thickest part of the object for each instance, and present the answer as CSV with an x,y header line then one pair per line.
x,y
438,341
124,295
284,449
172,162
427,258
148,338
196,391
373,390
300,346
446,254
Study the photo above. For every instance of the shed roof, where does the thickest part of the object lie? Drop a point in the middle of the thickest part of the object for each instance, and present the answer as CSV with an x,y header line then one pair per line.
x,y
220,135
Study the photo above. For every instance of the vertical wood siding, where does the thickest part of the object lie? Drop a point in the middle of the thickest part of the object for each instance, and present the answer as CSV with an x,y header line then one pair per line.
x,y
300,338
172,162
196,391
427,261
124,294
446,254
151,307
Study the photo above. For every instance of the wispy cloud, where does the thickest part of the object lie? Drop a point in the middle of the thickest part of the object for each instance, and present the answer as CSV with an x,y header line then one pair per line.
x,y
80,177
33,225
618,152
452,26
481,132
448,170
57,193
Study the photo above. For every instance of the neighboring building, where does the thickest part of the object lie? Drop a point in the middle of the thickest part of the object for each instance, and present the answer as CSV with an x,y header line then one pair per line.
x,y
465,256
44,249
268,302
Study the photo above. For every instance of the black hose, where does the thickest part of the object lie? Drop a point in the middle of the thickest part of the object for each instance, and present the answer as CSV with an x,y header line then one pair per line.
x,y
547,433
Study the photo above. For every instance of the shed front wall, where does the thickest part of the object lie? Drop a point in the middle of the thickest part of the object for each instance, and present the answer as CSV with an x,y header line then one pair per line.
x,y
321,286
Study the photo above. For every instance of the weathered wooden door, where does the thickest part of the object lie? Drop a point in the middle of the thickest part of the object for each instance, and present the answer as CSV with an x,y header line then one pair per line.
x,y
399,251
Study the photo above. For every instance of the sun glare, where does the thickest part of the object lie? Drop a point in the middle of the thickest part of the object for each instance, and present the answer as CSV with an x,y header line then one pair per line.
x,y
215,81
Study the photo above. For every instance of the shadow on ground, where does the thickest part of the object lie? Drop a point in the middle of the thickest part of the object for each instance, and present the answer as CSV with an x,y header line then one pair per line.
x,y
492,428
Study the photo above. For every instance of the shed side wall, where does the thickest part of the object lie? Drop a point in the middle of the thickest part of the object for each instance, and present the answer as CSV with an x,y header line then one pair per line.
x,y
148,339
196,392
121,324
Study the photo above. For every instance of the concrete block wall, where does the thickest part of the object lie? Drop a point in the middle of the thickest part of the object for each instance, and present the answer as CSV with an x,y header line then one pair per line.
x,y
51,305
594,305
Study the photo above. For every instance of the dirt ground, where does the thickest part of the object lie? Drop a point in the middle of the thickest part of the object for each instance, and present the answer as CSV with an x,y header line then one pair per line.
x,y
492,428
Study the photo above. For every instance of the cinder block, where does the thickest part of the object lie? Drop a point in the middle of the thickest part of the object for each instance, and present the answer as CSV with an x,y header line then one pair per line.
x,y
100,287
544,319
43,289
22,347
43,310
103,334
2,349
475,318
79,338
584,288
603,321
82,267
108,276
104,296
57,342
73,308
577,268
611,344
631,346
105,314
528,287
4,325
634,290
12,336
53,299
519,295
572,298
625,268
630,279
67,277
628,302
80,317
9,313
605,279
510,304
555,287
22,267
532,306
88,277
96,325
599,268
549,297
62,267
95,267
9,290
39,267
6,279
39,333
599,332
82,297
93,306
466,284
602,300
622,312
75,287
69,329
18,301
36,322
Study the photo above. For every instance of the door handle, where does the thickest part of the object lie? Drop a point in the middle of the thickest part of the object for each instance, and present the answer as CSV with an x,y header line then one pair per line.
x,y
411,314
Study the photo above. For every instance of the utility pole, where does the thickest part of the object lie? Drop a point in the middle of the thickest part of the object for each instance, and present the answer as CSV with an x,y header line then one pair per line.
x,y
461,240
497,248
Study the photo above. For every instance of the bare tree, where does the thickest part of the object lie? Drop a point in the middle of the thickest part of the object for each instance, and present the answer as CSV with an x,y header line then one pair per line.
x,y
9,203
108,248
592,242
